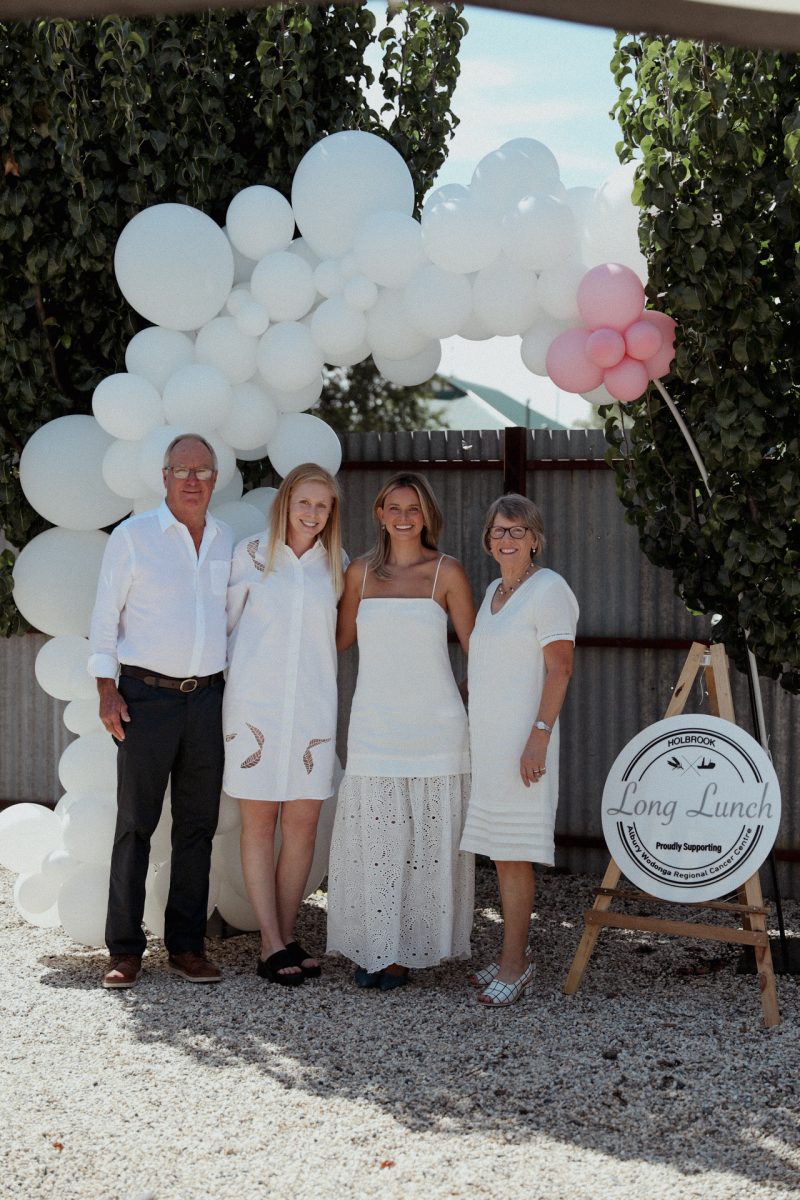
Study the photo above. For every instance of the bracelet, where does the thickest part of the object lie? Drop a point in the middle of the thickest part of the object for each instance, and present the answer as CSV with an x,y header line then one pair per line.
x,y
543,725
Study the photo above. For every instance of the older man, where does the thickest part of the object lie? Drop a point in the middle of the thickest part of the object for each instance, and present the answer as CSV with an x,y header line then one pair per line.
x,y
159,622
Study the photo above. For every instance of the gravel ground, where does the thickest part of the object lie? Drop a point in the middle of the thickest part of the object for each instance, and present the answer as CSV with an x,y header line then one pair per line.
x,y
648,1083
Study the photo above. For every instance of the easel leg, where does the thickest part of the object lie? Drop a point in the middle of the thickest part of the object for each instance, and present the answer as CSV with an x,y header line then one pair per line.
x,y
766,973
591,933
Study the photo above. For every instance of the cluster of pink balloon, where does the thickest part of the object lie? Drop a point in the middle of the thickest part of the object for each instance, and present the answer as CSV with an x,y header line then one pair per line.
x,y
621,345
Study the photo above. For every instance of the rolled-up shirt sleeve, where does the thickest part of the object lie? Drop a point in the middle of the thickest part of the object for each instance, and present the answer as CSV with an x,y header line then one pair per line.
x,y
116,574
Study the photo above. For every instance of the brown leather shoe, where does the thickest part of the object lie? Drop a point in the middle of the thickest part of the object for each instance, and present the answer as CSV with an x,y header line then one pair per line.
x,y
124,971
195,967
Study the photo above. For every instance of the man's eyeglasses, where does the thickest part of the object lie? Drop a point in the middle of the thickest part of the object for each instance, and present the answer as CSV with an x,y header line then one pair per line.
x,y
497,532
201,474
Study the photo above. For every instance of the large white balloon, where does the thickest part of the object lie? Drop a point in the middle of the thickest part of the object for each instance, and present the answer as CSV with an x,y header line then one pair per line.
x,y
288,357
127,406
235,909
342,180
89,827
232,491
540,232
82,904
557,291
337,328
460,235
89,765
61,669
55,579
259,220
328,278
49,919
408,372
198,397
360,292
221,344
389,330
261,498
156,353
437,302
252,418
302,438
243,518
252,319
504,297
28,833
61,474
174,265
516,169
83,716
284,284
121,468
388,248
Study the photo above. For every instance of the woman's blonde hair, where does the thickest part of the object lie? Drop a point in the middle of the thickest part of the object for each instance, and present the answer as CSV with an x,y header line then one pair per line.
x,y
431,516
515,508
331,536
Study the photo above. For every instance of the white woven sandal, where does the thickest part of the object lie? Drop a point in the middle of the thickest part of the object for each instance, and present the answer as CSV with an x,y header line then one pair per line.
x,y
498,994
483,977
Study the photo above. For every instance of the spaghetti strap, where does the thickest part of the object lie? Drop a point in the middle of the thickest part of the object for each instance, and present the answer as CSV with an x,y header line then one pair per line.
x,y
364,579
436,576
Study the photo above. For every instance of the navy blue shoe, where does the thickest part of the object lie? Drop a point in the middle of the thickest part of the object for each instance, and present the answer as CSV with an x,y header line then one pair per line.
x,y
389,981
367,979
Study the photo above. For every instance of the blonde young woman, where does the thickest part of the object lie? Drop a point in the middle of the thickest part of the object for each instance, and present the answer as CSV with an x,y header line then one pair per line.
x,y
279,713
400,893
520,665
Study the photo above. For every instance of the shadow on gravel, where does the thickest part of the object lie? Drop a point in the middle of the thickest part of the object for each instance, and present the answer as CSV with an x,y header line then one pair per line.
x,y
643,1064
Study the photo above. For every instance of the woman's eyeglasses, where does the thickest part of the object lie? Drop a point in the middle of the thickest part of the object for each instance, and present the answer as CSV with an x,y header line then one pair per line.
x,y
497,532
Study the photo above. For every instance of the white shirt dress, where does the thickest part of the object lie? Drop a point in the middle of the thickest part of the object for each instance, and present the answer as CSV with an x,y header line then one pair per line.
x,y
279,711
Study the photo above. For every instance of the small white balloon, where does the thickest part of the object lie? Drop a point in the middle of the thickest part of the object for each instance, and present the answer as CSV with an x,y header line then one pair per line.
x,y
83,902
504,297
89,827
252,319
156,353
390,332
337,328
232,491
437,302
259,220
300,246
61,669
448,191
254,455
222,344
239,297
252,418
121,469
244,519
284,284
82,716
536,342
89,765
57,868
261,498
299,400
521,167
48,919
360,292
28,833
388,248
198,397
328,279
174,265
408,372
288,357
342,180
557,291
357,355
540,232
72,557
302,438
127,406
60,472
460,235
599,395
474,330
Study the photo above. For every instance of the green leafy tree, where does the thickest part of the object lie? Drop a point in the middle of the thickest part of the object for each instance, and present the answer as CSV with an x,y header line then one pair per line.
x,y
101,118
718,132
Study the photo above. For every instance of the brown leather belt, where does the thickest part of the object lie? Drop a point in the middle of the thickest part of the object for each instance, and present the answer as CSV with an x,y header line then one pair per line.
x,y
169,681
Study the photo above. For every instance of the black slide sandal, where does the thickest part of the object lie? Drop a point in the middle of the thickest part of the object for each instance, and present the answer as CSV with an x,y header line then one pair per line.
x,y
298,954
269,968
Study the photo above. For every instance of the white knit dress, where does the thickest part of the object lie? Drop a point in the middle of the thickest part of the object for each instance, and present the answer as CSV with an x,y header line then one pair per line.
x,y
399,889
506,820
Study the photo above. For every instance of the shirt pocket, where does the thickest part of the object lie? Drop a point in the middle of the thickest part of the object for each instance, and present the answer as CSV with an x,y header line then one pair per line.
x,y
220,573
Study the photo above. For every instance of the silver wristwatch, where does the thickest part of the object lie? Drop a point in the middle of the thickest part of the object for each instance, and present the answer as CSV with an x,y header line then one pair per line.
x,y
543,725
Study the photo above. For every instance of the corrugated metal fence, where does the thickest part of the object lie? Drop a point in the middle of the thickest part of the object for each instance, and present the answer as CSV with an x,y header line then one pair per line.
x,y
630,631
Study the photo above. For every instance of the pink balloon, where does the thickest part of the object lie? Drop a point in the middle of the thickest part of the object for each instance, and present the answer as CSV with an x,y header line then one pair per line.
x,y
627,381
658,366
642,340
610,295
567,363
606,347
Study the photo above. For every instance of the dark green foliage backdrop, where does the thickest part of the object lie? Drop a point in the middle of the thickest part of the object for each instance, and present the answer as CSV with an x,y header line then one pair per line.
x,y
719,133
99,119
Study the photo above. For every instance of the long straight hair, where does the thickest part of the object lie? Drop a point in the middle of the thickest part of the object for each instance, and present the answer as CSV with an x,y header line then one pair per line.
x,y
331,536
431,516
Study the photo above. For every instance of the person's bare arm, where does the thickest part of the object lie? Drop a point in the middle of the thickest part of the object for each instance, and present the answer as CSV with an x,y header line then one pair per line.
x,y
558,658
348,605
458,600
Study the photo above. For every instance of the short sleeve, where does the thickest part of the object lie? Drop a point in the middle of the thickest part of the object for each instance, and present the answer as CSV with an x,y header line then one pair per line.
x,y
556,611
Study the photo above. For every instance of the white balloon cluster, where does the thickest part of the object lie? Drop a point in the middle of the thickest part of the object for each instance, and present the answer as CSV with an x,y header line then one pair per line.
x,y
244,320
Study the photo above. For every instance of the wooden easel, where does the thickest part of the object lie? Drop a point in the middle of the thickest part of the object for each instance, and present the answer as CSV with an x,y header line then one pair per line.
x,y
750,909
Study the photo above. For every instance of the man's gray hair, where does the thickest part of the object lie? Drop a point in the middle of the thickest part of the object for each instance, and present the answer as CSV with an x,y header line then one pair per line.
x,y
190,437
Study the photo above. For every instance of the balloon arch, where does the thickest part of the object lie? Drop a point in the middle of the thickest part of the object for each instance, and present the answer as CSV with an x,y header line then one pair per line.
x,y
243,321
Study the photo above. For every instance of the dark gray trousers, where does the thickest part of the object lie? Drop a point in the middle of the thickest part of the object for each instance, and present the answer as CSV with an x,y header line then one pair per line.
x,y
175,734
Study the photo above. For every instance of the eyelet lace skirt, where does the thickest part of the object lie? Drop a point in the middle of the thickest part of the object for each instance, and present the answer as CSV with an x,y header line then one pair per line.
x,y
399,889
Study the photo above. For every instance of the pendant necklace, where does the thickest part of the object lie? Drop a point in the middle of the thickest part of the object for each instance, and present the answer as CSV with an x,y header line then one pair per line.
x,y
504,591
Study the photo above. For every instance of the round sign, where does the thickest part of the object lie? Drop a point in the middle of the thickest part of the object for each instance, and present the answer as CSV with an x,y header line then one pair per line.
x,y
691,808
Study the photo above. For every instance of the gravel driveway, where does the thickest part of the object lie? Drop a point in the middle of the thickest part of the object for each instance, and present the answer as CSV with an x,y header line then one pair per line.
x,y
649,1083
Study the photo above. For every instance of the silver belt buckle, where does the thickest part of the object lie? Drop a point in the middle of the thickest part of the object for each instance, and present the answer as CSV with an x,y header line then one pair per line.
x,y
188,685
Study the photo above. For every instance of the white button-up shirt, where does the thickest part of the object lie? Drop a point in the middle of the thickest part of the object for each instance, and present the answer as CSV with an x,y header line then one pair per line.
x,y
160,603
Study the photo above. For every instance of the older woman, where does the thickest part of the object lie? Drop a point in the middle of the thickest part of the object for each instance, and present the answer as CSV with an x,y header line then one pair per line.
x,y
399,890
520,664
